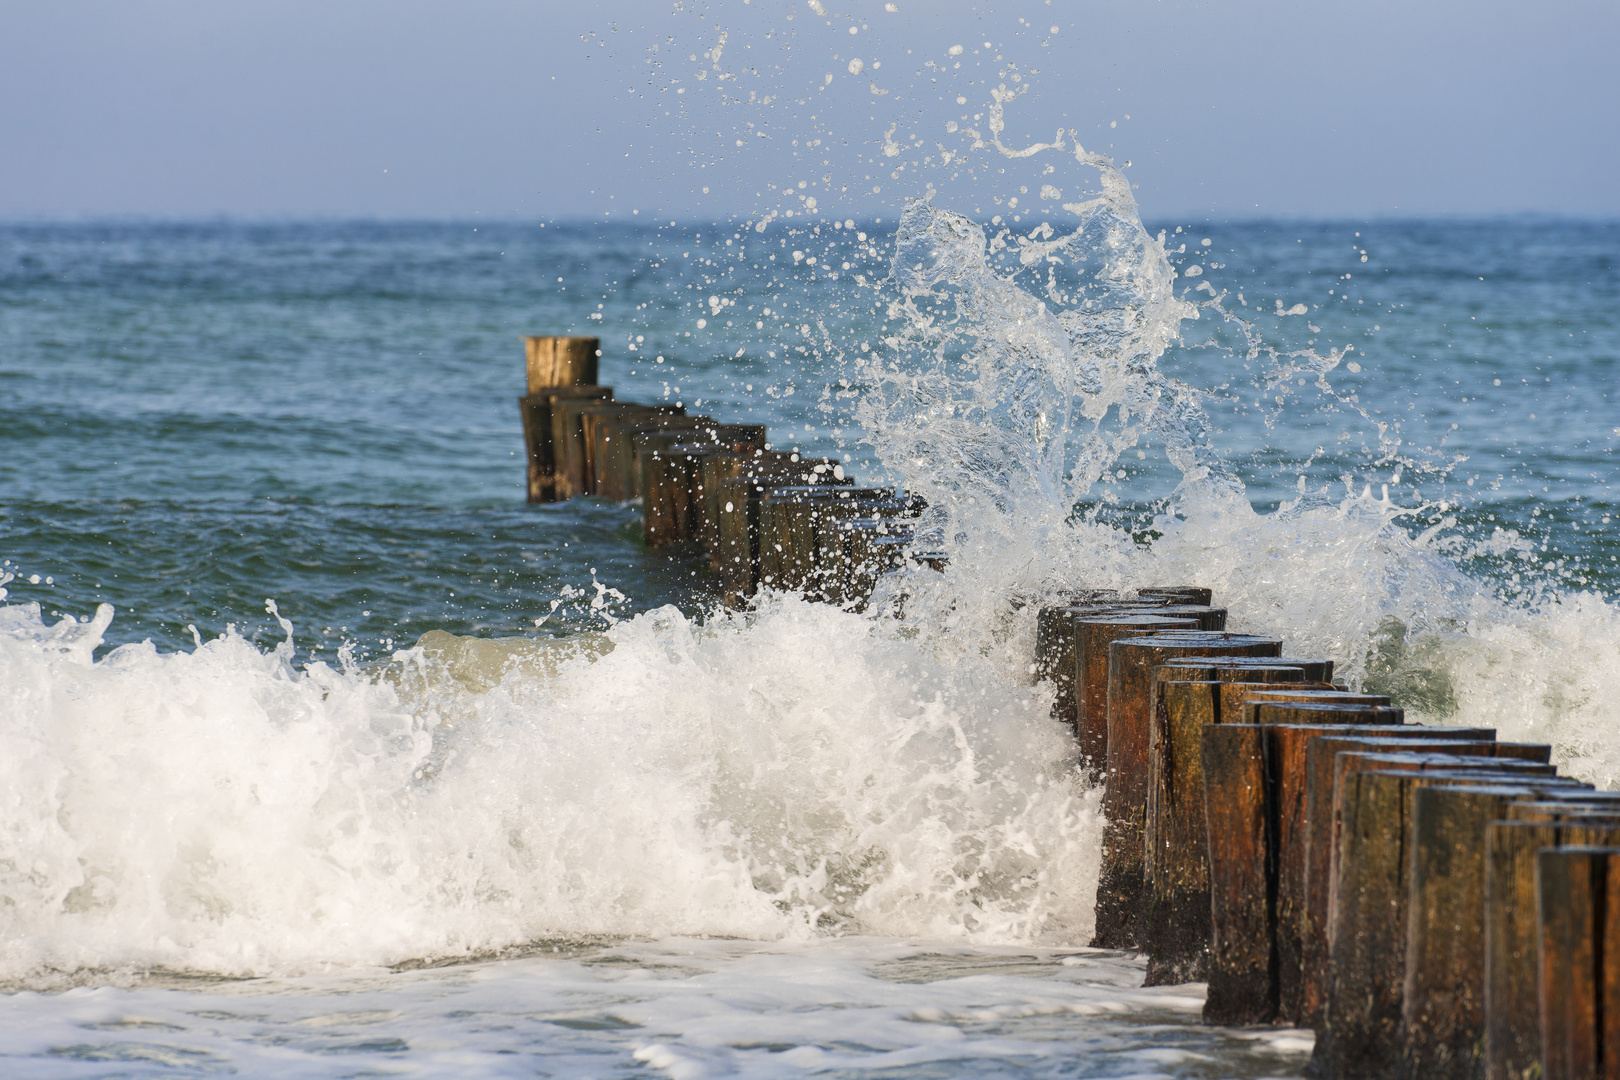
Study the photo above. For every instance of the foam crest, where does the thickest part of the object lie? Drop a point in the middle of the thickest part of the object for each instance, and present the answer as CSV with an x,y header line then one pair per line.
x,y
795,772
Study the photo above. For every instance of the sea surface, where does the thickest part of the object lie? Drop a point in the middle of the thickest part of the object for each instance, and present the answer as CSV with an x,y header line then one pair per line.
x,y
325,755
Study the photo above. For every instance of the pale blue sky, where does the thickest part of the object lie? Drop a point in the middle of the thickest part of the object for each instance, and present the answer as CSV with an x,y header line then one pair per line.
x,y
295,108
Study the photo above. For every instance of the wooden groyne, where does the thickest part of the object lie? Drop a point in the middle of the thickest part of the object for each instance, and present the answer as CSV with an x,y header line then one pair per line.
x,y
1435,903
758,516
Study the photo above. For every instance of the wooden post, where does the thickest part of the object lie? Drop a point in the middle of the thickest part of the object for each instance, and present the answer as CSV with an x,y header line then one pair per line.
x,y
1321,839
740,529
1248,973
873,547
1578,912
832,579
561,361
1093,634
1057,639
1512,1009
1241,986
789,520
1176,934
573,476
1180,594
1443,1018
1121,902
719,468
537,409
1368,906
602,438
670,487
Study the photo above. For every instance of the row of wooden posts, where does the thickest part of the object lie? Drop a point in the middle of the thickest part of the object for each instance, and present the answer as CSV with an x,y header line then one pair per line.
x,y
761,516
1435,903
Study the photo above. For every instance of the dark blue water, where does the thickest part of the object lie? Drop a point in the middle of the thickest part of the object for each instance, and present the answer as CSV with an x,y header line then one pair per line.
x,y
197,417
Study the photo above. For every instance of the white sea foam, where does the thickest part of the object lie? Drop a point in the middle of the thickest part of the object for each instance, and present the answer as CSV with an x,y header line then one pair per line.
x,y
800,770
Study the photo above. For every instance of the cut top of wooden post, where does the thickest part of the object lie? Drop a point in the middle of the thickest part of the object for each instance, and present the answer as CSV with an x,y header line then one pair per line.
x,y
561,361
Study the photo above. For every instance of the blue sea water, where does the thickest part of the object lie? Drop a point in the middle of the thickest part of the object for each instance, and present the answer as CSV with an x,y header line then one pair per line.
x,y
235,850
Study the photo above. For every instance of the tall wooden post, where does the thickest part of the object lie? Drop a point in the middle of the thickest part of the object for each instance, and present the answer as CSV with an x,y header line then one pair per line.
x,y
561,361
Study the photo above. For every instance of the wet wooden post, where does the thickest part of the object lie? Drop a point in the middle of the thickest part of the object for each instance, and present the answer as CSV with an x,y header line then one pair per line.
x,y
668,500
1443,1003
739,528
1240,980
1058,646
787,534
555,368
561,361
606,446
1258,952
1321,838
778,464
1093,635
1121,902
1179,594
1578,915
1512,1044
832,581
872,547
1368,906
537,409
1177,928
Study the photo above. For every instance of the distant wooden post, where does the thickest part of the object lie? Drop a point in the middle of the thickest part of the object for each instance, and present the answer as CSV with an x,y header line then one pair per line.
x,y
561,361
539,431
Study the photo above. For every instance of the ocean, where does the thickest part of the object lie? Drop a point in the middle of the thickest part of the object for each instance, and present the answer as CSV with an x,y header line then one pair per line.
x,y
325,755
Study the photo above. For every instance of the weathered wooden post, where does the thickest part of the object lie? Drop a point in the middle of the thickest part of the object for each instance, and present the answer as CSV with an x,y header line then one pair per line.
x,y
537,409
1443,1006
787,534
834,565
1321,838
669,474
556,368
1058,646
1578,912
561,361
573,455
760,464
740,526
606,445
1093,635
872,547
1180,594
1176,934
1121,902
1512,1009
1368,906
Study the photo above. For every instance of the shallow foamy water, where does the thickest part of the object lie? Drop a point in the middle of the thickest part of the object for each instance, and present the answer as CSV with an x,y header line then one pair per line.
x,y
679,1008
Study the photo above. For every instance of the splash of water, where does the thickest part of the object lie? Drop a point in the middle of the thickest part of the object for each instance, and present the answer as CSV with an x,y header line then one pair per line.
x,y
797,771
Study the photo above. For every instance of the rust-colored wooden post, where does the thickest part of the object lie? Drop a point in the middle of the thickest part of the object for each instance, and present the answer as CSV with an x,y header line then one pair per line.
x,y
1177,929
1443,1005
1121,902
1578,912
1512,1008
1247,973
1368,906
1321,837
1241,986
1093,635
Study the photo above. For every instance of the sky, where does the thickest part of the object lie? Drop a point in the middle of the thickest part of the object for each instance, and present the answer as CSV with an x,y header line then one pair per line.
x,y
542,110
